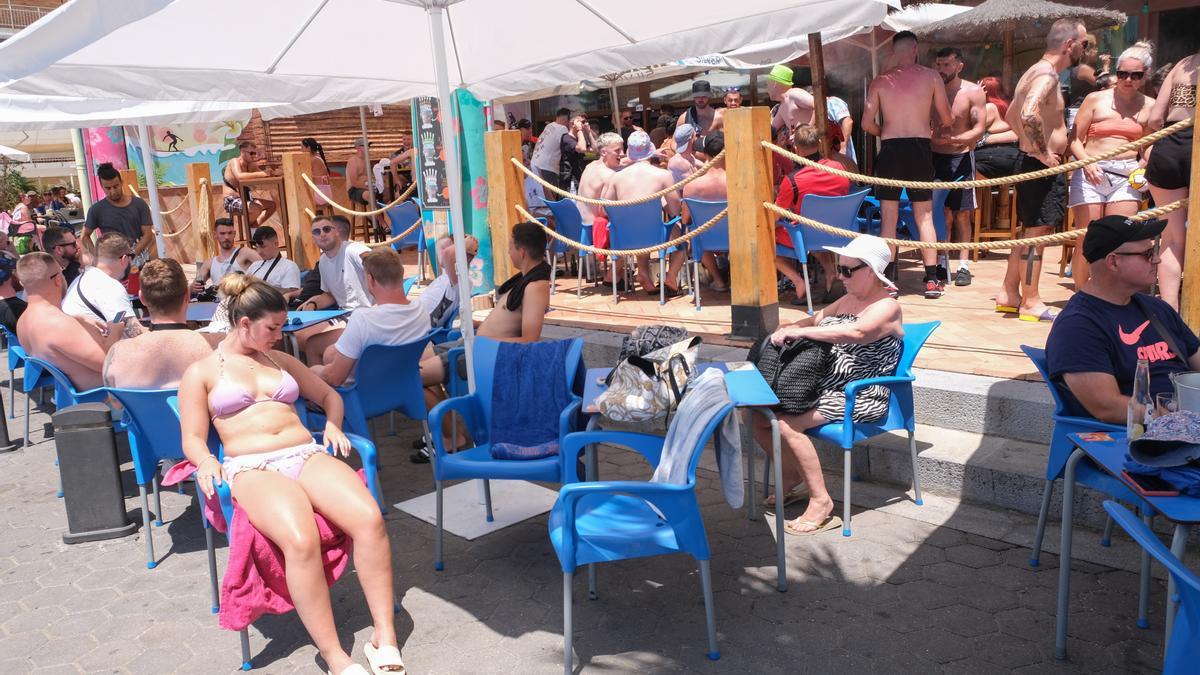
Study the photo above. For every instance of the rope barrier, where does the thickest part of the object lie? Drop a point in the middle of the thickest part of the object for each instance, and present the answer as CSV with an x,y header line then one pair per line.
x,y
204,210
133,191
703,169
689,235
1058,237
987,182
385,242
351,212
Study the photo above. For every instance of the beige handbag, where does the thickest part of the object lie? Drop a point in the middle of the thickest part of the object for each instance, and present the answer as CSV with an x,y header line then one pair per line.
x,y
648,388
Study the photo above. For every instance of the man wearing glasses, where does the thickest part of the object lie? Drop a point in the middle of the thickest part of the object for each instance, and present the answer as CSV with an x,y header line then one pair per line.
x,y
1095,343
61,244
238,169
97,295
343,283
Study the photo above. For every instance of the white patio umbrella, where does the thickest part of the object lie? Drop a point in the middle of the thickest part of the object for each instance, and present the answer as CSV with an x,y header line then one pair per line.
x,y
13,154
87,48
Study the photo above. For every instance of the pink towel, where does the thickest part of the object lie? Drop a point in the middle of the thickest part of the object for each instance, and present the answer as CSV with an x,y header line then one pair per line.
x,y
254,583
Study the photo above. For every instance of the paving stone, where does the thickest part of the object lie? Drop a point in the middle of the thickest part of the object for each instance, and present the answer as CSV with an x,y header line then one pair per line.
x,y
963,620
972,555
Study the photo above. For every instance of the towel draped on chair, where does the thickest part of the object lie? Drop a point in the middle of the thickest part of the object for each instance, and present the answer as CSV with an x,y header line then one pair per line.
x,y
528,398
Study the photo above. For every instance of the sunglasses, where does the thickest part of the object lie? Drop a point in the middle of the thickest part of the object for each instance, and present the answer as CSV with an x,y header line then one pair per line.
x,y
847,272
322,230
1148,254
71,244
1134,75
626,119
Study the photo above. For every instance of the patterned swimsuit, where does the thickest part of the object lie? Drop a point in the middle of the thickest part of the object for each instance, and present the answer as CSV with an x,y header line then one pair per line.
x,y
849,362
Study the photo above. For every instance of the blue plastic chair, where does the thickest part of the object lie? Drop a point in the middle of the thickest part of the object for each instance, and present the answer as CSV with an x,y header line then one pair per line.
x,y
1182,648
838,211
604,521
639,226
16,359
569,223
715,238
366,452
900,414
476,412
402,217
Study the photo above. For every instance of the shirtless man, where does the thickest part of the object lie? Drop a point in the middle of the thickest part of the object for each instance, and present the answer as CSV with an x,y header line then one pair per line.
x,y
227,260
639,179
356,176
796,106
701,115
592,183
952,157
47,333
1036,114
238,169
683,162
907,97
711,187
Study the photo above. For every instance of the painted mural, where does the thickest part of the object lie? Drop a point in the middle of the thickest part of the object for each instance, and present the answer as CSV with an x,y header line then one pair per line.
x,y
177,145
104,145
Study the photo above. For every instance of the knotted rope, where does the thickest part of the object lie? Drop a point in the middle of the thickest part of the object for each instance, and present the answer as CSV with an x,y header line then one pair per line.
x,y
385,242
1055,238
351,212
202,201
987,182
703,169
133,191
689,235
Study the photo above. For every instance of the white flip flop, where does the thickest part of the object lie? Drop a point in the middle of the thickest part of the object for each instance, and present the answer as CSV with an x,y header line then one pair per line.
x,y
381,658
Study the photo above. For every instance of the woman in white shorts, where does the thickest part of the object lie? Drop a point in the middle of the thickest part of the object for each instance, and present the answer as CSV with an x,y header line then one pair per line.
x,y
1106,120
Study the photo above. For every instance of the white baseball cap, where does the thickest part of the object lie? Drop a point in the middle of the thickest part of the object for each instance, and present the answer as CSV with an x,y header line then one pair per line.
x,y
869,249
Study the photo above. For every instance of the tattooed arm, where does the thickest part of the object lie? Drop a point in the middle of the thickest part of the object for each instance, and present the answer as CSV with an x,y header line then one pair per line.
x,y
1032,127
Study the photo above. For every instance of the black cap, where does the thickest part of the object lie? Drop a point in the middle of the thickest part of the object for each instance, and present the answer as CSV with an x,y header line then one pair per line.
x,y
701,87
524,124
714,143
1105,235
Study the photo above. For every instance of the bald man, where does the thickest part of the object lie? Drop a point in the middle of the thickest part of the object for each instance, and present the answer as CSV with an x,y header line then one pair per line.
x,y
51,335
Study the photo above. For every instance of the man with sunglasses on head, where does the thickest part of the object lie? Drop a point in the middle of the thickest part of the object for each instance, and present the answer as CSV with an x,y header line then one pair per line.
x,y
343,283
62,245
98,295
1095,343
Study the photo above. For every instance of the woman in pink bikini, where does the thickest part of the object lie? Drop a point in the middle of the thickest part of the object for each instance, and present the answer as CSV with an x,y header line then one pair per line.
x,y
279,476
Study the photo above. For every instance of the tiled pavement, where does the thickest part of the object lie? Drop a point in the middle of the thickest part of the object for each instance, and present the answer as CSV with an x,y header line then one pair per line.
x,y
901,596
972,338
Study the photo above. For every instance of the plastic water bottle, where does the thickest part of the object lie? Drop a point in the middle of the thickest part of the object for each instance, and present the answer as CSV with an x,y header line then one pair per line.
x,y
1140,404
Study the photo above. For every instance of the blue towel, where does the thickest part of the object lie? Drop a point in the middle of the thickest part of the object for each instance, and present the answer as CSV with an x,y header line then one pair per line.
x,y
529,393
1184,478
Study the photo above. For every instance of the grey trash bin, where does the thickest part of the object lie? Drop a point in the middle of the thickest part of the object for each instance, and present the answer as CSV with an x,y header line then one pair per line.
x,y
91,475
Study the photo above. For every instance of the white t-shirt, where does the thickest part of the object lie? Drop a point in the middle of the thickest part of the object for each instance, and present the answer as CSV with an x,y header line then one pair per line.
x,y
535,195
218,269
389,324
379,170
439,298
548,152
343,277
284,274
104,292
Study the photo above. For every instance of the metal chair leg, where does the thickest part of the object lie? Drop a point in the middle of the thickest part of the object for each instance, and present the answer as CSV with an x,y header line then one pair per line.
x,y
750,498
212,554
846,494
613,264
437,552
1144,581
245,640
593,593
1047,494
579,285
662,281
696,288
912,449
807,286
150,561
487,499
26,444
158,512
568,624
554,268
1106,538
709,618
12,394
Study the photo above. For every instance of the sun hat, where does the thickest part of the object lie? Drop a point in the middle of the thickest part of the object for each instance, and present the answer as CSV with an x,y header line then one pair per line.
x,y
639,146
684,133
871,250
781,74
1170,440
701,88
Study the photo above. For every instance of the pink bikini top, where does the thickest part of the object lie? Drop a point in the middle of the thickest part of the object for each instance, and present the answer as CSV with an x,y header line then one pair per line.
x,y
228,398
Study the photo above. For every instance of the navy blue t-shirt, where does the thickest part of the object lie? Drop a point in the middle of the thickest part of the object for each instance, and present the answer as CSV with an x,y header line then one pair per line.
x,y
1095,336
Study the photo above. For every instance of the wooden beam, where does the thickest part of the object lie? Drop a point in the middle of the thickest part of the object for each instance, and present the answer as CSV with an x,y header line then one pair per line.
x,y
1007,67
816,59
644,98
199,237
1190,302
506,190
755,297
299,197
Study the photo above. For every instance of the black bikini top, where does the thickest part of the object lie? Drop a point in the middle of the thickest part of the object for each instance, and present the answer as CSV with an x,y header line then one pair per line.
x,y
515,286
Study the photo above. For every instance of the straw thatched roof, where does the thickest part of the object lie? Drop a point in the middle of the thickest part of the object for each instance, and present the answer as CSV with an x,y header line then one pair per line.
x,y
1028,19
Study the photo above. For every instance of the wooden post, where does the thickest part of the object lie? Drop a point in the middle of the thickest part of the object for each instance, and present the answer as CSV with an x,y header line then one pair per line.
x,y
130,177
200,236
506,189
755,299
752,95
644,98
1007,67
816,62
299,197
1190,301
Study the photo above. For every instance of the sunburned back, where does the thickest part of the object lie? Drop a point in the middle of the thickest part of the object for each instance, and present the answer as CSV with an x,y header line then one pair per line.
x,y
47,333
1038,92
906,99
639,180
710,187
154,360
681,166
795,108
356,173
591,184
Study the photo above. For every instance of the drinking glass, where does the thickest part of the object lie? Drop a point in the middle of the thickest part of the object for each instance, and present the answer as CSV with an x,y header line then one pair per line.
x,y
1165,404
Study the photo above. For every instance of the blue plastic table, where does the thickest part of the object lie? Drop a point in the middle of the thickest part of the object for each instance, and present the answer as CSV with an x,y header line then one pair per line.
x,y
201,312
1109,455
748,390
298,321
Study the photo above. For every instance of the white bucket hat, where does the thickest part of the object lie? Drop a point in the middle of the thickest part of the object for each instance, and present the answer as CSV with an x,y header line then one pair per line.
x,y
869,249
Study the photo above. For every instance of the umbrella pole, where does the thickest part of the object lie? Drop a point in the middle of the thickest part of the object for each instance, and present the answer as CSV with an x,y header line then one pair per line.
x,y
816,60
454,178
81,169
616,108
1007,72
362,121
152,189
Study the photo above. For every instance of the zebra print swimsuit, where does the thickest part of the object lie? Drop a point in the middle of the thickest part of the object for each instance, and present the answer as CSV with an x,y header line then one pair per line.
x,y
849,362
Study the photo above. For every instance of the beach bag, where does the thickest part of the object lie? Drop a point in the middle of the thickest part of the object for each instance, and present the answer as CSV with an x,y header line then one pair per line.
x,y
794,370
645,388
645,339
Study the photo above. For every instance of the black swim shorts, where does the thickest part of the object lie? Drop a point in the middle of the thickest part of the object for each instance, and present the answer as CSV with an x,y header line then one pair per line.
x,y
357,195
1170,165
1042,201
904,159
996,160
951,168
